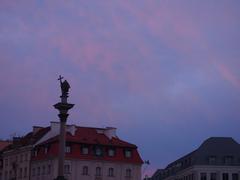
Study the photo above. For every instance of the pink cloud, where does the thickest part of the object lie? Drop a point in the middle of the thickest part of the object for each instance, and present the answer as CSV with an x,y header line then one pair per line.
x,y
228,74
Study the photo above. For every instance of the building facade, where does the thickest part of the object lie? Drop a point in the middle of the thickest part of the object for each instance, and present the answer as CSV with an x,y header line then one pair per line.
x,y
90,154
3,145
218,158
16,158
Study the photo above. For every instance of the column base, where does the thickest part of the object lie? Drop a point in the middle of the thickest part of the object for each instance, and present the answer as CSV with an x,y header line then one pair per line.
x,y
60,178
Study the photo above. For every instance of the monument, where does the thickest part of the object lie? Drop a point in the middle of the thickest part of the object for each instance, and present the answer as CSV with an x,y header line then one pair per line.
x,y
63,108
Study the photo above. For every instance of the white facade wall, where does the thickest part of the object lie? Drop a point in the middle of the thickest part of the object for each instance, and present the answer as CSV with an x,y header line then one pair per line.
x,y
16,164
197,170
76,170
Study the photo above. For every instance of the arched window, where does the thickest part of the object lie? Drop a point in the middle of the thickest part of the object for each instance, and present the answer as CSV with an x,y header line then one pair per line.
x,y
128,173
85,170
111,172
98,171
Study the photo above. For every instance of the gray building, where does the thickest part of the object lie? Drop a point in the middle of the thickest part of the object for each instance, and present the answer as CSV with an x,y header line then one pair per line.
x,y
217,158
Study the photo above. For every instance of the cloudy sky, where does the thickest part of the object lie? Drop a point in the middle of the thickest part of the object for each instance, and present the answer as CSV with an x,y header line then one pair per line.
x,y
164,72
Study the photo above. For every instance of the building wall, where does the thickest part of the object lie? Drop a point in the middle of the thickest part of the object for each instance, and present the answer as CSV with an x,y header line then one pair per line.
x,y
194,173
76,170
16,164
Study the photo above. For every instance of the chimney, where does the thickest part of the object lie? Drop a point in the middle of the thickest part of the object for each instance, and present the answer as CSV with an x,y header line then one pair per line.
x,y
55,127
110,132
71,129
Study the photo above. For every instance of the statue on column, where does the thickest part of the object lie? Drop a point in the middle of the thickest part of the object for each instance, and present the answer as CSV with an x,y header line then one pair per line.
x,y
64,86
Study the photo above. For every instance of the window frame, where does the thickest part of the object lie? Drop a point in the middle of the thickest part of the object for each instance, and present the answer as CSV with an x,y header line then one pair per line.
x,y
83,148
113,150
128,153
98,171
85,170
128,172
110,172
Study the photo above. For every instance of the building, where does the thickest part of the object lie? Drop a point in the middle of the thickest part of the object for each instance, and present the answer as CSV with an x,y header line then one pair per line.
x,y
90,154
218,158
17,156
3,145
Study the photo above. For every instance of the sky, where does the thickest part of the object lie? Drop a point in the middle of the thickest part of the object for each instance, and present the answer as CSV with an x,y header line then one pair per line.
x,y
164,72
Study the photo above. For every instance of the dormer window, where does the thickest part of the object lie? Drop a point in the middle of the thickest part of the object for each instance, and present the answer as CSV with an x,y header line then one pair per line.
x,y
98,151
128,153
228,160
212,160
68,149
46,149
84,149
111,152
179,164
35,152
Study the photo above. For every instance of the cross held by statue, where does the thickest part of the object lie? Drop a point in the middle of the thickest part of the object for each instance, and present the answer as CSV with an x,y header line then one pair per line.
x,y
60,78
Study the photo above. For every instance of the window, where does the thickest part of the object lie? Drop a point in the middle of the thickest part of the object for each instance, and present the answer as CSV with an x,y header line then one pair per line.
x,y
67,169
128,153
84,150
33,172
179,164
225,176
235,176
0,176
43,170
6,175
26,157
128,173
213,176
68,149
6,162
212,160
228,160
98,151
98,171
10,174
85,170
20,173
21,158
25,172
38,171
203,176
46,149
192,176
49,169
111,152
35,152
110,172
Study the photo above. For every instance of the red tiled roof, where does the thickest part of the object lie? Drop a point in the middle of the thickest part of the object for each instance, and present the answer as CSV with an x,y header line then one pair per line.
x,y
4,144
88,135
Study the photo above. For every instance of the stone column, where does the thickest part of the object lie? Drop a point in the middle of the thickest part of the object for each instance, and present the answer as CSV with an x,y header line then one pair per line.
x,y
63,108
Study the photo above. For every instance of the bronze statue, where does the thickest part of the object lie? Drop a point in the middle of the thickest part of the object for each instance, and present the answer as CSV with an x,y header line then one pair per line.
x,y
64,86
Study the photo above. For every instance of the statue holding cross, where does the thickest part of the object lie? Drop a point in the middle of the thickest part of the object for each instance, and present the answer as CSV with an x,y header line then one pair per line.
x,y
64,86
